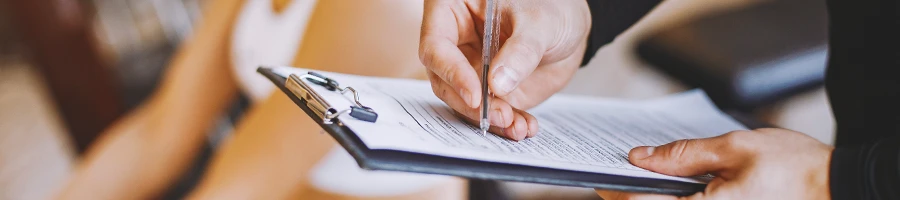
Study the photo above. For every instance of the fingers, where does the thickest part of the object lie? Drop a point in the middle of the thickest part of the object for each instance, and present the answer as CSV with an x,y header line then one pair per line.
x,y
439,52
506,121
532,128
512,132
449,95
519,129
515,61
545,81
687,157
447,29
496,130
516,124
450,65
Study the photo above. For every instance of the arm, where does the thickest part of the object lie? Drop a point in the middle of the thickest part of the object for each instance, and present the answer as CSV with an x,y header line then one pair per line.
x,y
276,145
610,18
268,157
142,154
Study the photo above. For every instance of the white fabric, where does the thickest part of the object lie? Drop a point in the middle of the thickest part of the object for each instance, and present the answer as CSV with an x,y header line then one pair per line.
x,y
338,173
262,37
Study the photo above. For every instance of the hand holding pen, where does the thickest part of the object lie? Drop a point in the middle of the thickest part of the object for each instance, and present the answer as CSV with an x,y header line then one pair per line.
x,y
541,44
490,44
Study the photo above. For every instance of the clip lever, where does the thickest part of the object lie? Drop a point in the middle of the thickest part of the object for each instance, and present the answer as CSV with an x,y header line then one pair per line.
x,y
328,114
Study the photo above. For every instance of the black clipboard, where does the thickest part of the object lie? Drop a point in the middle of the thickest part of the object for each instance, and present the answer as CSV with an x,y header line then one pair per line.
x,y
403,161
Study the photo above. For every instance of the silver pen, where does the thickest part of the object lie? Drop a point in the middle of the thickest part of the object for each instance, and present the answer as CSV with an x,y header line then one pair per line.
x,y
490,42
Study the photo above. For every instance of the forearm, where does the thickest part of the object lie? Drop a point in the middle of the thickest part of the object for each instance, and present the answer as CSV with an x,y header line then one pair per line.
x,y
129,162
142,154
609,18
269,156
866,172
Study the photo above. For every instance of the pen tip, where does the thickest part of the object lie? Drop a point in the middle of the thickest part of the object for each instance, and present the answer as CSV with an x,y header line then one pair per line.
x,y
485,125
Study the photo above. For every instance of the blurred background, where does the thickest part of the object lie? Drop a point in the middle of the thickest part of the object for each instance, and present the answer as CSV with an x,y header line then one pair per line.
x,y
70,68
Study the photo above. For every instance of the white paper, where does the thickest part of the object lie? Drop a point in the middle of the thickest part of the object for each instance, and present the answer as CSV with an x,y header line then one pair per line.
x,y
576,133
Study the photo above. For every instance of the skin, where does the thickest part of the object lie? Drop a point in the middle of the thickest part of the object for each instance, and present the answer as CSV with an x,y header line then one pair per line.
x,y
273,149
275,145
758,164
541,49
142,154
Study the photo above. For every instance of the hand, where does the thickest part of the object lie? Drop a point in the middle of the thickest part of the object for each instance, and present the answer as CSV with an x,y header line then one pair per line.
x,y
542,44
758,164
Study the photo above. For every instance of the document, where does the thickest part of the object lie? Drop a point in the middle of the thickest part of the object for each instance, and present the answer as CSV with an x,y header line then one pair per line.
x,y
576,133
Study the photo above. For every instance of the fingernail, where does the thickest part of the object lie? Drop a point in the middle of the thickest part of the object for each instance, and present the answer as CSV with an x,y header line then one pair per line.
x,y
467,96
639,154
505,79
533,129
512,134
521,135
496,118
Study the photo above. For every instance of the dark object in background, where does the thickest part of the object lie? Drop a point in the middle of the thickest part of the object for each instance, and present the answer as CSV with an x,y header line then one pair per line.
x,y
100,58
746,58
140,37
59,39
486,190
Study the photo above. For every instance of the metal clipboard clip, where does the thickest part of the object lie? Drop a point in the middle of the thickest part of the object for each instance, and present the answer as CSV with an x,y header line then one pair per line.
x,y
319,106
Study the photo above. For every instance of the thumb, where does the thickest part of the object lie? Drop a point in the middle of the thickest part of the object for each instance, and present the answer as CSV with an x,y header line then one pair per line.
x,y
515,61
684,157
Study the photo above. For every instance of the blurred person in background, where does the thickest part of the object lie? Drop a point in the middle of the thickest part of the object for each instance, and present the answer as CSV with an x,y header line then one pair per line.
x,y
276,151
545,42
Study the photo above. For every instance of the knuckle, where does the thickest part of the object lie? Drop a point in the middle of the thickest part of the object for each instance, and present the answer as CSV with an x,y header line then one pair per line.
x,y
438,89
532,14
426,52
733,137
769,131
425,55
737,136
447,73
679,148
738,140
527,52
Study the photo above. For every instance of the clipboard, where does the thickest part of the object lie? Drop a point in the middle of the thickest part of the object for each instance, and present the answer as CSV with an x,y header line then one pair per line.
x,y
402,161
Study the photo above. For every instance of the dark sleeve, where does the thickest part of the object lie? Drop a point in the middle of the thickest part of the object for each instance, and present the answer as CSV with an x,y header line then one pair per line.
x,y
866,172
609,18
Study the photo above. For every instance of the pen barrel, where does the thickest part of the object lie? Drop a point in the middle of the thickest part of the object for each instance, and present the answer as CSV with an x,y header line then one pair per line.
x,y
491,43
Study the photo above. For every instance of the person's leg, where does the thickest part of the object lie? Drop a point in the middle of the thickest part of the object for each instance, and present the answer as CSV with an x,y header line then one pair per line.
x,y
268,156
372,38
277,149
144,152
